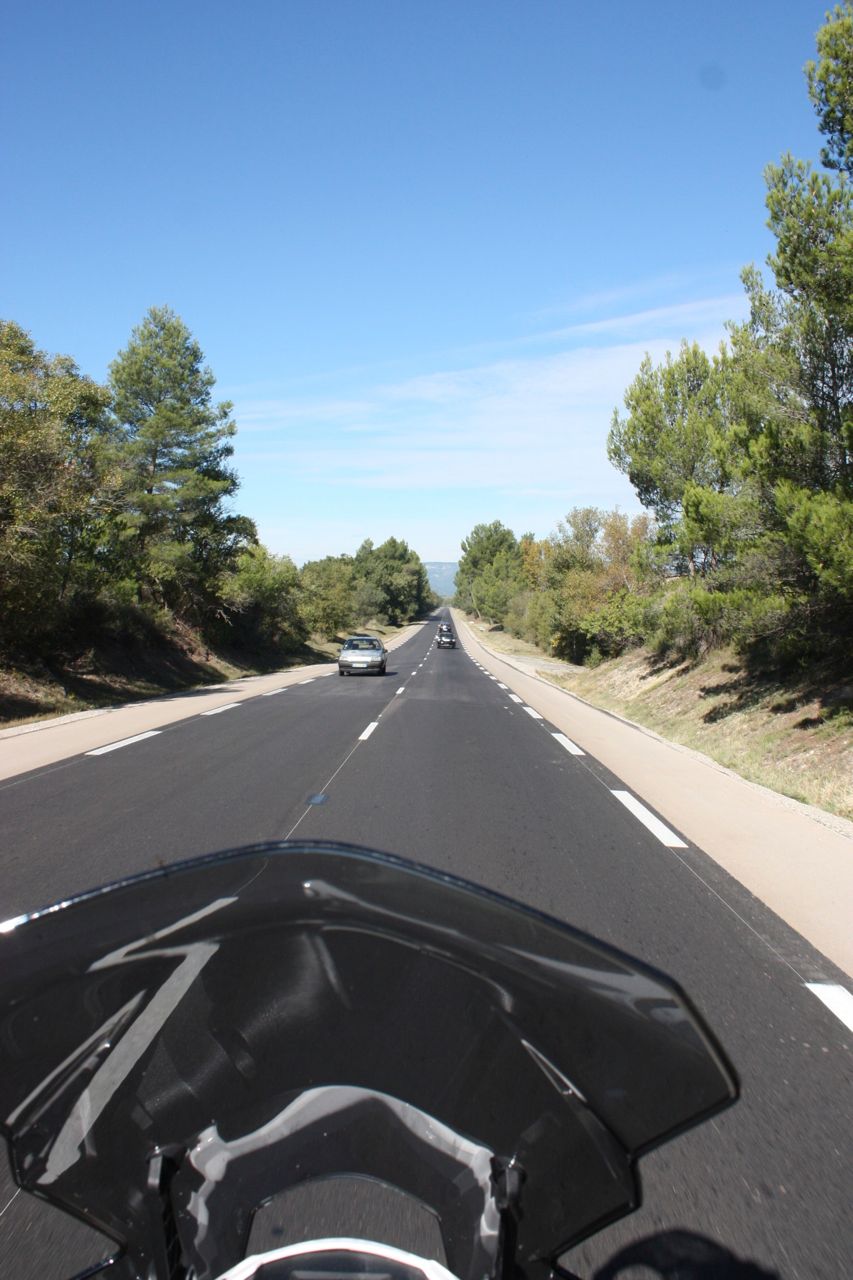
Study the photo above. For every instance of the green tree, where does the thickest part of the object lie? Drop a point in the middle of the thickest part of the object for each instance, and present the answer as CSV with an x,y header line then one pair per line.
x,y
497,583
793,438
175,443
574,544
831,87
400,574
677,412
261,595
482,546
328,594
599,575
55,491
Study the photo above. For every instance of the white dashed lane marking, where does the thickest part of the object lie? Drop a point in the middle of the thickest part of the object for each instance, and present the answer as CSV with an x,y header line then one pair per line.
x,y
216,710
125,742
649,821
836,998
362,737
273,692
310,680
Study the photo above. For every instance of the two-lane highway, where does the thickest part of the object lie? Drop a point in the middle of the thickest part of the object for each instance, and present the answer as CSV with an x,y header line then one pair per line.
x,y
442,762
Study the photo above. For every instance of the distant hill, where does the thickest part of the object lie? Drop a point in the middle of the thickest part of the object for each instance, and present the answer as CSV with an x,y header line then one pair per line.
x,y
441,574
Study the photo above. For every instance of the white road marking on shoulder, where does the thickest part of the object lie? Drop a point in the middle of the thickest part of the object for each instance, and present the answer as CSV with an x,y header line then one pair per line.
x,y
273,692
501,686
125,742
216,710
362,737
494,678
516,698
648,819
310,680
836,998
572,747
531,712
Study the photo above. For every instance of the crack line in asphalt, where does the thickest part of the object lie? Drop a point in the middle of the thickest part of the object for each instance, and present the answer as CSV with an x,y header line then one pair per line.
x,y
324,790
9,1203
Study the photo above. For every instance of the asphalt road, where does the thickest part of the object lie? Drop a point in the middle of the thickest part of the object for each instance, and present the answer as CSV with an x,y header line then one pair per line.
x,y
439,762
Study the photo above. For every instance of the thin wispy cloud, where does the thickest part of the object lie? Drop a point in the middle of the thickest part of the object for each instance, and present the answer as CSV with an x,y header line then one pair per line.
x,y
523,436
681,313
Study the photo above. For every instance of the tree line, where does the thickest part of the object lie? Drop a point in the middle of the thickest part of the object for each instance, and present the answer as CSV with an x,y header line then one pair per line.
x,y
116,512
743,460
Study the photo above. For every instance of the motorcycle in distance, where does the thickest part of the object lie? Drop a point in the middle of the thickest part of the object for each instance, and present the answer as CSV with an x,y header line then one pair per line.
x,y
183,1051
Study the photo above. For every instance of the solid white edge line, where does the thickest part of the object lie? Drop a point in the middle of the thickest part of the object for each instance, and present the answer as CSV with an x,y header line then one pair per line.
x,y
649,821
572,747
362,737
531,712
125,742
216,710
836,998
516,698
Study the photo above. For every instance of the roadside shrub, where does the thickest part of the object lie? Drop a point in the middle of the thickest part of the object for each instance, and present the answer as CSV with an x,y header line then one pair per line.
x,y
532,615
615,626
368,604
261,604
683,622
516,615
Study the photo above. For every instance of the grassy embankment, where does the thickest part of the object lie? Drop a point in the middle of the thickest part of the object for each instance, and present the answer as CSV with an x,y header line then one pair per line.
x,y
795,737
108,673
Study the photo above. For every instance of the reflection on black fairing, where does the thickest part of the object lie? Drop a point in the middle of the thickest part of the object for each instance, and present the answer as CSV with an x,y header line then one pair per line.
x,y
178,1049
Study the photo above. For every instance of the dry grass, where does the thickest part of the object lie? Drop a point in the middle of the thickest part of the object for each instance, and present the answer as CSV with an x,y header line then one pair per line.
x,y
796,738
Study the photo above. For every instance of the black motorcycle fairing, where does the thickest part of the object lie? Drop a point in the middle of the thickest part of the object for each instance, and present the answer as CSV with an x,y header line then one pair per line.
x,y
216,1001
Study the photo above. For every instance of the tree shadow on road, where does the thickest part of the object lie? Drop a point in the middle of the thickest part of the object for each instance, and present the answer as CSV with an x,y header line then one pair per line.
x,y
681,1255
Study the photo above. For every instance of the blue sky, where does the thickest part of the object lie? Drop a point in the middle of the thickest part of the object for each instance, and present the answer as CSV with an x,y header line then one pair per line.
x,y
424,245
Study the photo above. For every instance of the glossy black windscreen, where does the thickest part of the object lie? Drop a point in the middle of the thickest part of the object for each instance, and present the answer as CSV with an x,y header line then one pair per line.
x,y
176,1049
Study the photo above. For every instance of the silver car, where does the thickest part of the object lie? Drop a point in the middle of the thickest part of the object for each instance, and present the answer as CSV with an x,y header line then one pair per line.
x,y
362,655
